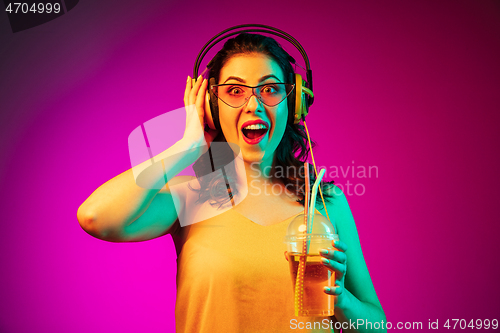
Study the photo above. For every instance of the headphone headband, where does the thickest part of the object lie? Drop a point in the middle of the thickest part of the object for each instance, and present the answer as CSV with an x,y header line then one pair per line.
x,y
255,28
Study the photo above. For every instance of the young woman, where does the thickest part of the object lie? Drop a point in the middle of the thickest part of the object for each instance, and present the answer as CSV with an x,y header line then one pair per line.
x,y
232,276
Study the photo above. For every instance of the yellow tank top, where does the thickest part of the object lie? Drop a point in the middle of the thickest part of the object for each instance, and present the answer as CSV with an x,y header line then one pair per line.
x,y
232,276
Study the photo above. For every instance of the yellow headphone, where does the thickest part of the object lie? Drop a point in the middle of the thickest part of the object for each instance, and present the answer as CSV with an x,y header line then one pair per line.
x,y
301,100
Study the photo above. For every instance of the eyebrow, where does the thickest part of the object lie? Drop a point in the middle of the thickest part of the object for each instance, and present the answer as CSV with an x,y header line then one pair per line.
x,y
265,77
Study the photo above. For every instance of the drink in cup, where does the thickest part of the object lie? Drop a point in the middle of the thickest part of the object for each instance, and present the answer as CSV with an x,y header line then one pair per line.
x,y
303,255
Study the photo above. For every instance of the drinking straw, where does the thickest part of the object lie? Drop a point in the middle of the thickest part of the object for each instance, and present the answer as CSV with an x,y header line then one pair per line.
x,y
307,191
313,199
312,205
299,282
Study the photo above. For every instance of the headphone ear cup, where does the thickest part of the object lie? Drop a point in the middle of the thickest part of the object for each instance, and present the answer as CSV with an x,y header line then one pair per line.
x,y
305,102
301,99
212,116
298,99
208,112
291,101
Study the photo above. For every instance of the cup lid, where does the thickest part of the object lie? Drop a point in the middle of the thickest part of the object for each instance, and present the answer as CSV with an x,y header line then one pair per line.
x,y
321,228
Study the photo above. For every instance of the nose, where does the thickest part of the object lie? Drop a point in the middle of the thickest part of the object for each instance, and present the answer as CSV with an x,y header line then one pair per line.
x,y
254,104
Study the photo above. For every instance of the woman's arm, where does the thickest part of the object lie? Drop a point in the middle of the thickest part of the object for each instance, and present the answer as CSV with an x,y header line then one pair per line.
x,y
356,297
122,211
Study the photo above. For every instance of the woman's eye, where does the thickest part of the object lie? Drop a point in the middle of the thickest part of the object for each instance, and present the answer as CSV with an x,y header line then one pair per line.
x,y
271,89
235,91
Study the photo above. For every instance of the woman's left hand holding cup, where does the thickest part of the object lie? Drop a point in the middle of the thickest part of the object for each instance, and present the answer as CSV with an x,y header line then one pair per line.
x,y
336,260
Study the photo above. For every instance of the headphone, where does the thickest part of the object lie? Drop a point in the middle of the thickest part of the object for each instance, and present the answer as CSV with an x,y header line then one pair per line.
x,y
299,101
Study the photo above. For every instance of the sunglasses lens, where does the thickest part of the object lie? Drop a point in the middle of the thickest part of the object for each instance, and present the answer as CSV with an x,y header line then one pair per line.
x,y
236,95
233,95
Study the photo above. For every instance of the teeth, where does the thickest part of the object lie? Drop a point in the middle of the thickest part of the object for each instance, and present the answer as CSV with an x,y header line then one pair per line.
x,y
255,126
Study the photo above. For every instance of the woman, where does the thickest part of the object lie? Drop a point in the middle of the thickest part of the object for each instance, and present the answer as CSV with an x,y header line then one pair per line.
x,y
231,277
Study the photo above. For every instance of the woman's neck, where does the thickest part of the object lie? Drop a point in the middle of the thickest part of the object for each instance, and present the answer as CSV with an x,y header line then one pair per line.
x,y
259,172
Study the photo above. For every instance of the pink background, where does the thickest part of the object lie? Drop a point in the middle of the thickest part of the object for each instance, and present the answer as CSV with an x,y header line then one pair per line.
x,y
409,87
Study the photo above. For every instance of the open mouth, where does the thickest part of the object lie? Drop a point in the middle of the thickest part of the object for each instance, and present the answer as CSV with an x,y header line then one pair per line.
x,y
253,133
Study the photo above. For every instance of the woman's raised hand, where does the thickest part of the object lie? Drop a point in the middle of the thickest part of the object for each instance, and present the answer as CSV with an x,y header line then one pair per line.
x,y
196,103
336,261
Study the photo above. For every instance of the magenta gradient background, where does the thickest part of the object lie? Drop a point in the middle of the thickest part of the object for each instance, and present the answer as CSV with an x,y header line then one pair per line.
x,y
409,87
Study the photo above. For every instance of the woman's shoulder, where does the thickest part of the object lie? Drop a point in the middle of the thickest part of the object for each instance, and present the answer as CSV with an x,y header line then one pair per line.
x,y
334,198
338,209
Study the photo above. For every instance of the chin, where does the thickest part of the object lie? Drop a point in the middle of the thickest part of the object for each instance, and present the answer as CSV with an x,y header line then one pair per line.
x,y
253,157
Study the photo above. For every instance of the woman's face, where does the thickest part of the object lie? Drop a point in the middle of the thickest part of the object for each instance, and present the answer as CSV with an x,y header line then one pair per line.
x,y
256,145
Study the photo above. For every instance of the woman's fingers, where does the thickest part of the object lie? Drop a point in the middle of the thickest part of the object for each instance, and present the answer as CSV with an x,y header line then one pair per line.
x,y
200,99
340,245
187,91
195,95
194,91
335,255
336,259
195,105
340,269
333,290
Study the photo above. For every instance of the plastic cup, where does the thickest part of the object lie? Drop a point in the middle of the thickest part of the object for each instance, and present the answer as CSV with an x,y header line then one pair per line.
x,y
310,298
